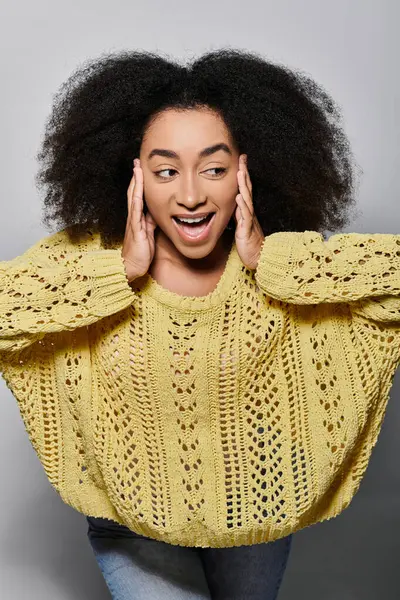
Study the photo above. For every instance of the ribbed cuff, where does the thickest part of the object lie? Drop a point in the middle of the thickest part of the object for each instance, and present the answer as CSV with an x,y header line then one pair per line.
x,y
110,287
275,264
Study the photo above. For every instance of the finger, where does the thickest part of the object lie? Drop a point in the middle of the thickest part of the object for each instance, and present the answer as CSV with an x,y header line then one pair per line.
x,y
247,177
129,199
244,191
138,187
131,206
133,214
137,200
243,166
244,188
238,214
244,209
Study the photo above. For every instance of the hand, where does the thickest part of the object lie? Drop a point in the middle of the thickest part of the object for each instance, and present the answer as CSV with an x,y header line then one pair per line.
x,y
249,236
138,247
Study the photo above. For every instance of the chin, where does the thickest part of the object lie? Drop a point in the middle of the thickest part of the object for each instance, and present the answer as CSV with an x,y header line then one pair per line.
x,y
212,248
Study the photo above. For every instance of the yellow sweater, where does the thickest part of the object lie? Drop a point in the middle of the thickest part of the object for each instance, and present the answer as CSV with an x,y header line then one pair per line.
x,y
229,419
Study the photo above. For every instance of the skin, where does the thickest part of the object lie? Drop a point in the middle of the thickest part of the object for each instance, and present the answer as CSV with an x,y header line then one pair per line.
x,y
189,183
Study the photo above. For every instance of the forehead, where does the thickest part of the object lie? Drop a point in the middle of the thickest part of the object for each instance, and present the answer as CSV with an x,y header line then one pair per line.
x,y
186,129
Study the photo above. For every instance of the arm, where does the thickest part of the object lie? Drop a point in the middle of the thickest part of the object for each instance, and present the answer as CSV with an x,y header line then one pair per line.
x,y
57,286
361,268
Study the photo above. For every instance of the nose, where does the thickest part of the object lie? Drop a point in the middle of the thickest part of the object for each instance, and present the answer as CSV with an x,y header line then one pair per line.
x,y
191,192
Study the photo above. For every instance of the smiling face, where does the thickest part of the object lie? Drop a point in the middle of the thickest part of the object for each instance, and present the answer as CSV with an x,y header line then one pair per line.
x,y
189,164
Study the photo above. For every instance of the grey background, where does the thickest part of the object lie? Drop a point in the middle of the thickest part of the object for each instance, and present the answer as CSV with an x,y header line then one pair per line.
x,y
352,49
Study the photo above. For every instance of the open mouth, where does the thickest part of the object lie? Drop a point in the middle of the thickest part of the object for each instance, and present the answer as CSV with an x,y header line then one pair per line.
x,y
206,220
196,229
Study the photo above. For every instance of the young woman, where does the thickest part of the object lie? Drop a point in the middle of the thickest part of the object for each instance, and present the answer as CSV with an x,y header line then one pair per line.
x,y
199,371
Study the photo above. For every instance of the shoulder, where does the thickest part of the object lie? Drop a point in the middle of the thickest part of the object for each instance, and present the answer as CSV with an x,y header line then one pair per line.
x,y
64,242
69,239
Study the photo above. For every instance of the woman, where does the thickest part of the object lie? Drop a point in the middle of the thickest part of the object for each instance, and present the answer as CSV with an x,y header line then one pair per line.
x,y
200,373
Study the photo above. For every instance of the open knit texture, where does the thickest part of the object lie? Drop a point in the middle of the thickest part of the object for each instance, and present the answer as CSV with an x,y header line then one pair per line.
x,y
229,419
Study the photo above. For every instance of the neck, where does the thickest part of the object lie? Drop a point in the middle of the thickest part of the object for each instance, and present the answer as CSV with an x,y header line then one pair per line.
x,y
166,251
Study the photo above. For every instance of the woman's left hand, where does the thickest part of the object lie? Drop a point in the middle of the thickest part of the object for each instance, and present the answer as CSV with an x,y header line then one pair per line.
x,y
248,235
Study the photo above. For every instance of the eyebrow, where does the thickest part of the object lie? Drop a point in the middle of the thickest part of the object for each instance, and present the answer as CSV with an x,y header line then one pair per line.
x,y
202,154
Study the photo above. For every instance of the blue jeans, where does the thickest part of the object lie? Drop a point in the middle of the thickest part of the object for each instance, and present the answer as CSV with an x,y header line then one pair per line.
x,y
136,567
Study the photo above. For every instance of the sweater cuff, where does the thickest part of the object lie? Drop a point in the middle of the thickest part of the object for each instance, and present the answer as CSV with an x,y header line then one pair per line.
x,y
110,289
274,268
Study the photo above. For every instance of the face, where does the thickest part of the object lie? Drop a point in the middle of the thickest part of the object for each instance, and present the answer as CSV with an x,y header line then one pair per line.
x,y
189,165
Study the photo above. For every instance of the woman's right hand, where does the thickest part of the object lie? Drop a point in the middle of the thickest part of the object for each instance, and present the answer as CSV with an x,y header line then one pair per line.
x,y
138,246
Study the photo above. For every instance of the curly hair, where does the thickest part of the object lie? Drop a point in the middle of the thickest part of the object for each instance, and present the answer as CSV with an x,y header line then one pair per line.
x,y
299,159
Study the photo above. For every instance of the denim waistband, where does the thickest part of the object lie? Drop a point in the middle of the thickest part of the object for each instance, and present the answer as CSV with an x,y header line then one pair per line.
x,y
101,527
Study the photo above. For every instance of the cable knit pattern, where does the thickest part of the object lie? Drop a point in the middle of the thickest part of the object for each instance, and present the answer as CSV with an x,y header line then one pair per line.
x,y
228,419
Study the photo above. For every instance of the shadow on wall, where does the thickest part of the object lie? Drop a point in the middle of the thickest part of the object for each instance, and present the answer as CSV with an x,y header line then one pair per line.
x,y
50,553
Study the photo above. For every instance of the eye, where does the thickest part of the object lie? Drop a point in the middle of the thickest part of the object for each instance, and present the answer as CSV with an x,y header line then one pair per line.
x,y
220,169
157,173
217,169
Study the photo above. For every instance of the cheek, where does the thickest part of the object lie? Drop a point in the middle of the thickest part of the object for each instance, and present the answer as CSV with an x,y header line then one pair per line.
x,y
151,193
232,184
155,199
230,189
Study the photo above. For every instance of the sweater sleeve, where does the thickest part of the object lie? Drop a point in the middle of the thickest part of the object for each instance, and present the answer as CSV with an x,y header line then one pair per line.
x,y
54,287
361,268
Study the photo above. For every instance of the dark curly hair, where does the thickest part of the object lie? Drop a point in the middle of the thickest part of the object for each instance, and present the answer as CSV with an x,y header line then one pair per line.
x,y
299,158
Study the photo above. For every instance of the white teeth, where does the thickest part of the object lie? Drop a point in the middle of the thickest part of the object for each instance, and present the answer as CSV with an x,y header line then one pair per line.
x,y
192,220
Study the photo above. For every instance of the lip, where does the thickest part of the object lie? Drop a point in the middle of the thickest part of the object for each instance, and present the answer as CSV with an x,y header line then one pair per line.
x,y
192,215
202,236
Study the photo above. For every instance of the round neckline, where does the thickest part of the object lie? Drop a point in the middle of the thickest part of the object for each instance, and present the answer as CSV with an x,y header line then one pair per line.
x,y
224,286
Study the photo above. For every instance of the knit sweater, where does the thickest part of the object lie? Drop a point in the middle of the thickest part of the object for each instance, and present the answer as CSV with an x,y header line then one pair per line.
x,y
229,419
